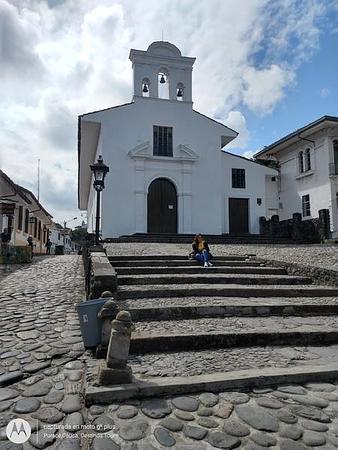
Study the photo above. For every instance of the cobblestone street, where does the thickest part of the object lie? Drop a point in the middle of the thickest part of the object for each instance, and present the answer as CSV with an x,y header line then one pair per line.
x,y
288,417
40,370
38,322
43,368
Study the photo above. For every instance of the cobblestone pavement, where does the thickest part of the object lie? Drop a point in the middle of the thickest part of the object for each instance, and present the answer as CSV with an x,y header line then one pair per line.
x,y
6,269
41,371
323,256
288,417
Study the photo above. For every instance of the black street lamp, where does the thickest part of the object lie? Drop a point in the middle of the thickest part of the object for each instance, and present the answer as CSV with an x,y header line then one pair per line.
x,y
99,170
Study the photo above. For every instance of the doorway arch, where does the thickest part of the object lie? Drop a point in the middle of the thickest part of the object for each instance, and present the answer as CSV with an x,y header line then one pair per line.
x,y
162,206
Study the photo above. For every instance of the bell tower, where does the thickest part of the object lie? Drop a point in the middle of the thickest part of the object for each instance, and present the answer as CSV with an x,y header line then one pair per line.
x,y
162,72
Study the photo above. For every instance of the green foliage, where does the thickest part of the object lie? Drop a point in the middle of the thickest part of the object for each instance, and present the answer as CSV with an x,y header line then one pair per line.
x,y
79,235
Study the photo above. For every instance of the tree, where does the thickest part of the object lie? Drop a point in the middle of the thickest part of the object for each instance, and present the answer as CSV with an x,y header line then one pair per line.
x,y
79,235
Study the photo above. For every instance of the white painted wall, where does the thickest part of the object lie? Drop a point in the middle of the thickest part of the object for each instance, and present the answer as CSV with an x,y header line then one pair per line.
x,y
203,185
317,182
258,186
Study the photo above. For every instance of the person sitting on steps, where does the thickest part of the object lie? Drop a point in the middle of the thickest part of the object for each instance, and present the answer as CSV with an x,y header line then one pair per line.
x,y
201,250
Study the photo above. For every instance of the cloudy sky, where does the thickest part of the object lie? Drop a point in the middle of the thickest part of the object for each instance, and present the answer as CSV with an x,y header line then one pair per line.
x,y
264,67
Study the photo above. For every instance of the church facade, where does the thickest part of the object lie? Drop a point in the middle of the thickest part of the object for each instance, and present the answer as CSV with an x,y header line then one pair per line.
x,y
169,170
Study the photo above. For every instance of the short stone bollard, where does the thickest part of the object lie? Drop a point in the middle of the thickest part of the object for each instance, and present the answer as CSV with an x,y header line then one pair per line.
x,y
115,369
107,313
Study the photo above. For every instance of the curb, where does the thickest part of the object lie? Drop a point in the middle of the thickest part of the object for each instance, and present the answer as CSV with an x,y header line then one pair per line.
x,y
216,382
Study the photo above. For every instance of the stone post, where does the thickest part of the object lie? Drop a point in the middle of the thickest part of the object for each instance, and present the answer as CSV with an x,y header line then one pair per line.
x,y
324,224
274,224
115,369
106,314
262,225
296,231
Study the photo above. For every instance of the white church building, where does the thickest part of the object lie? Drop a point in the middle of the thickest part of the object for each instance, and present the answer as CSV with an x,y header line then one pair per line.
x,y
169,171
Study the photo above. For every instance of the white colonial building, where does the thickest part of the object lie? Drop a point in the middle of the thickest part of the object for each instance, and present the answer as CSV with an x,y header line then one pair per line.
x,y
168,170
308,164
25,217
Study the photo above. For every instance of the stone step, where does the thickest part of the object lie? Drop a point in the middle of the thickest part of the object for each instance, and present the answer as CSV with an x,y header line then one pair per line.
x,y
231,308
235,381
223,290
198,334
209,278
196,269
194,302
191,363
174,257
183,263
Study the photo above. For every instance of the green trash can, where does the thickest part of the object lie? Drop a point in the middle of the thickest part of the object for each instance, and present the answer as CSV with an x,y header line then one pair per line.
x,y
59,250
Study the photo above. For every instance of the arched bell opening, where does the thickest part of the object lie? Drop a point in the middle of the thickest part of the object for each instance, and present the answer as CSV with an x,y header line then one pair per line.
x,y
180,92
163,83
145,87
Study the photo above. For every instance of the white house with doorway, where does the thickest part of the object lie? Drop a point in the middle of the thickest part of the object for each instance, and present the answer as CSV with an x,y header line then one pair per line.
x,y
22,215
169,172
308,160
60,236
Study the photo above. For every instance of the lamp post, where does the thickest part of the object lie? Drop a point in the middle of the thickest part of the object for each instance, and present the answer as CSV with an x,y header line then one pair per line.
x,y
99,170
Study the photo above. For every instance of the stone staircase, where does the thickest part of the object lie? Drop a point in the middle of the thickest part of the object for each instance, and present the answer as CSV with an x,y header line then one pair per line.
x,y
186,315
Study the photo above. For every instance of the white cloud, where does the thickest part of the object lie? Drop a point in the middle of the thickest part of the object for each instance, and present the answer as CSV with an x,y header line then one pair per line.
x,y
324,92
59,59
248,154
236,121
264,88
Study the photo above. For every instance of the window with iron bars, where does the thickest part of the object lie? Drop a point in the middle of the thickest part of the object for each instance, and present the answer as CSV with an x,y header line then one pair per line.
x,y
306,208
163,141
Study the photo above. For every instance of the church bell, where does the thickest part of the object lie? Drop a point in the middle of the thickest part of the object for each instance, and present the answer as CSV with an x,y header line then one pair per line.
x,y
145,88
162,80
179,93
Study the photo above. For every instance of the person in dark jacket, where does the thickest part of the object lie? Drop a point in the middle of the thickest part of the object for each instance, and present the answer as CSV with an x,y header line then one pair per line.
x,y
30,243
201,250
5,237
48,246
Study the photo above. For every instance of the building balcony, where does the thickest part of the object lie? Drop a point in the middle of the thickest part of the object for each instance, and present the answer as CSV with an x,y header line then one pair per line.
x,y
333,169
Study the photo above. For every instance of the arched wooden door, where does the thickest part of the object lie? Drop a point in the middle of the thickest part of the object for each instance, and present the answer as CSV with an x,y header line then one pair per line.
x,y
162,207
